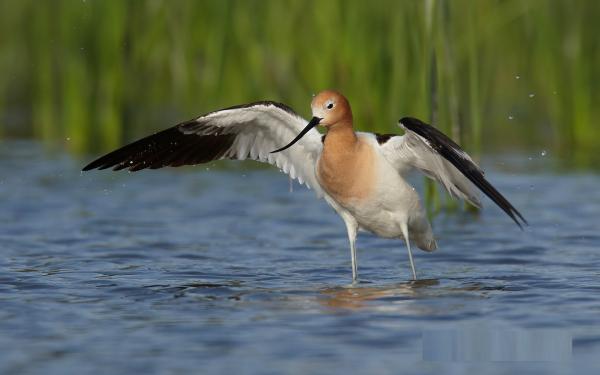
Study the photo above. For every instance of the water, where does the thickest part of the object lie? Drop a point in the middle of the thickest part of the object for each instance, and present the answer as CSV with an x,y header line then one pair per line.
x,y
221,271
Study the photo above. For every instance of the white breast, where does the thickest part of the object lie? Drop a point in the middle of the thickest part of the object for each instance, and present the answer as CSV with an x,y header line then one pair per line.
x,y
391,200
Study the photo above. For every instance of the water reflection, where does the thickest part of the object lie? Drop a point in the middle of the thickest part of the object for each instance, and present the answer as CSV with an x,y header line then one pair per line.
x,y
358,296
170,267
394,296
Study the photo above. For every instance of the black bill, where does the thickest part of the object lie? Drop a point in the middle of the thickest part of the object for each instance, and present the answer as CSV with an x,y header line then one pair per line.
x,y
313,122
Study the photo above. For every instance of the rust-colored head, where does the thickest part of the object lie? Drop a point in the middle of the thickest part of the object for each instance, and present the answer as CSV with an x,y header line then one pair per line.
x,y
329,108
332,108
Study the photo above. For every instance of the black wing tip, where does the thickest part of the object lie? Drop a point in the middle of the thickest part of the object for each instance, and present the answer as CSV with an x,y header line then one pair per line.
x,y
496,197
114,168
410,121
126,155
500,201
515,216
443,141
91,166
101,164
509,209
523,221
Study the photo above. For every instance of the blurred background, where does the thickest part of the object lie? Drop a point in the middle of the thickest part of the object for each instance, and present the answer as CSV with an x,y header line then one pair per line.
x,y
230,272
499,76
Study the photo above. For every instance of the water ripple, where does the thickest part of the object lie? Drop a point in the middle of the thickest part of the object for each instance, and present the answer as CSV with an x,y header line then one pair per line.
x,y
171,271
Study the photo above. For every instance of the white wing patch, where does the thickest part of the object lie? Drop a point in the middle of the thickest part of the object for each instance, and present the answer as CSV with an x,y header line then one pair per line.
x,y
261,129
440,158
410,150
248,131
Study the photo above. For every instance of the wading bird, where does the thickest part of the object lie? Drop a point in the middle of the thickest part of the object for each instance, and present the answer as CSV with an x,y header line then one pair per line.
x,y
360,175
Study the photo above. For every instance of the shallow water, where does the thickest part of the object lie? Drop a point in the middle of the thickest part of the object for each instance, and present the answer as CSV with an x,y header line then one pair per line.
x,y
220,271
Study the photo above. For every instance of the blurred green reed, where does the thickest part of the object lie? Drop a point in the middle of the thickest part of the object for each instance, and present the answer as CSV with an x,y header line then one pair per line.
x,y
507,74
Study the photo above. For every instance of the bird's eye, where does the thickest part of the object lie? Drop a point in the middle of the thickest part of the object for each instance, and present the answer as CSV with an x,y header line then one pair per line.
x,y
329,105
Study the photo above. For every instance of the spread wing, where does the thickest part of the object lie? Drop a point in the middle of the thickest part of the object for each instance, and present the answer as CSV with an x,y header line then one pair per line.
x,y
248,131
427,149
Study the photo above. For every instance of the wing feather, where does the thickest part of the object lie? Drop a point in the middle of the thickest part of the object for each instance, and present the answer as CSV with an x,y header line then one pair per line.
x,y
425,148
242,132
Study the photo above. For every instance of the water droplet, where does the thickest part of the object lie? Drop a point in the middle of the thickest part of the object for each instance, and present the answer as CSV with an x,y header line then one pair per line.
x,y
510,117
543,153
531,95
517,77
530,158
68,139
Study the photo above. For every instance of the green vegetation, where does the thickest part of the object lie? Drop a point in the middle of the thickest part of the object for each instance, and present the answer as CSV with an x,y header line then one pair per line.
x,y
511,74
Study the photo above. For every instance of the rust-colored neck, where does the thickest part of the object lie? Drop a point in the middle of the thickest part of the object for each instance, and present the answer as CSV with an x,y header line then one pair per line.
x,y
345,169
340,138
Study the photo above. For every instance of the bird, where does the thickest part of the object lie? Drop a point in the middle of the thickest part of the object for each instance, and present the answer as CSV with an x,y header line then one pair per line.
x,y
361,175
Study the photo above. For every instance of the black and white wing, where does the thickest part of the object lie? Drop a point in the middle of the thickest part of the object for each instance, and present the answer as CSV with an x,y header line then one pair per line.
x,y
439,158
249,131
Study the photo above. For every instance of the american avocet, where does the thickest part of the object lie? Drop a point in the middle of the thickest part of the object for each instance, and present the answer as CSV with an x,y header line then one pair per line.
x,y
361,175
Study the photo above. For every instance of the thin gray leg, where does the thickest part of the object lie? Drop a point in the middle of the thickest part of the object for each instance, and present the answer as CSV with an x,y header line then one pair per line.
x,y
410,257
352,228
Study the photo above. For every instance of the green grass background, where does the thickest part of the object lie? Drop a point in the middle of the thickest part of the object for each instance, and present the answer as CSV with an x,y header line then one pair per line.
x,y
497,75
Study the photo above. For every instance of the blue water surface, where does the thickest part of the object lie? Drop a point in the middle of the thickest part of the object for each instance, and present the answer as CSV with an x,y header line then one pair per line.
x,y
225,271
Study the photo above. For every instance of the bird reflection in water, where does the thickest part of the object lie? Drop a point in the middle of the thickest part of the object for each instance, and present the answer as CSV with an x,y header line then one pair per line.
x,y
357,296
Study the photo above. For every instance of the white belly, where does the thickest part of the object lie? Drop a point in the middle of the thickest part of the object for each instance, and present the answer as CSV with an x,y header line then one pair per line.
x,y
390,203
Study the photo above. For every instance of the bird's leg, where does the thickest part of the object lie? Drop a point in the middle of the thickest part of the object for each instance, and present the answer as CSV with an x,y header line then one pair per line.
x,y
352,227
410,257
354,262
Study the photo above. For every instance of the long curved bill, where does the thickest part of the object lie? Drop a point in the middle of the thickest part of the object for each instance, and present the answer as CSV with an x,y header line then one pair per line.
x,y
313,122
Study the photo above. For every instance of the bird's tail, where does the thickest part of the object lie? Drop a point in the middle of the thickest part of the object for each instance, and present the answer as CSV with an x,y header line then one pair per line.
x,y
426,243
423,237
